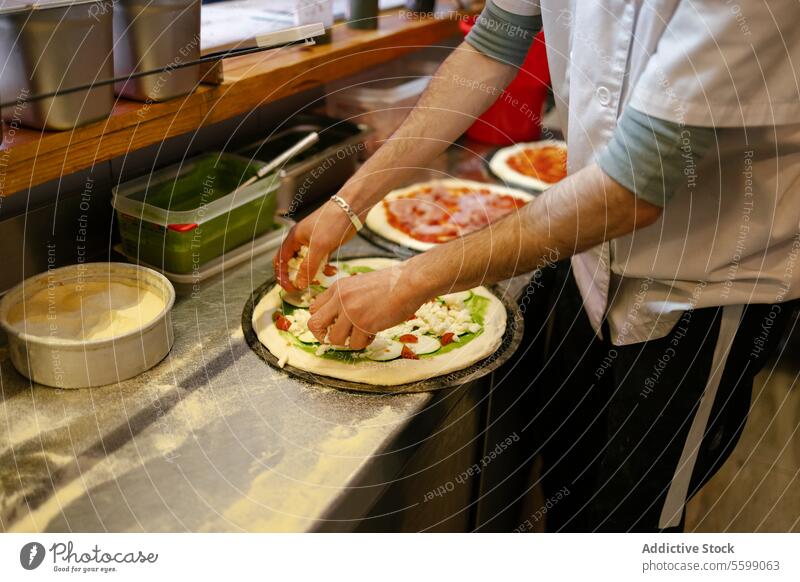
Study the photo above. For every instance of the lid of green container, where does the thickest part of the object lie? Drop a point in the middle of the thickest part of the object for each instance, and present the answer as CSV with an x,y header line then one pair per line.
x,y
122,196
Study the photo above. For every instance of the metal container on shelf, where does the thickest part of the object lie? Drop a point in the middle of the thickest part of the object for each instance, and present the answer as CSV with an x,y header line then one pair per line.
x,y
153,34
323,168
76,363
49,45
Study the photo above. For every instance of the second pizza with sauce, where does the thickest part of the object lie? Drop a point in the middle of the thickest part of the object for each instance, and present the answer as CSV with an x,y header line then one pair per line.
x,y
424,215
536,165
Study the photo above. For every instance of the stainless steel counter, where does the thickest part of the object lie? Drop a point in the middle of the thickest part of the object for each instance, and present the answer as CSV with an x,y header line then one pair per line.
x,y
211,439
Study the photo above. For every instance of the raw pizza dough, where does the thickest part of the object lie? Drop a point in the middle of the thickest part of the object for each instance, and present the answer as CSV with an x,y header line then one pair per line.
x,y
378,222
500,168
391,373
86,311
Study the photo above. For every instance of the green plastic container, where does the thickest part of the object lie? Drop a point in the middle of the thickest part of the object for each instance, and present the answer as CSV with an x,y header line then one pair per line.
x,y
183,216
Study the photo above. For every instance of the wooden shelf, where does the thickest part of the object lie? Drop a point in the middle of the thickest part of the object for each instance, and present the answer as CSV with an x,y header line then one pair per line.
x,y
31,157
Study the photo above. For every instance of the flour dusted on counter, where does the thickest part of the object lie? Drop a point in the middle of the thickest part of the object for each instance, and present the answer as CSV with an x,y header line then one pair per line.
x,y
86,311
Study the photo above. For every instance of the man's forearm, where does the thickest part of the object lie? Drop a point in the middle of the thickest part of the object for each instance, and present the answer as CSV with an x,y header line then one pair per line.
x,y
466,84
582,211
585,209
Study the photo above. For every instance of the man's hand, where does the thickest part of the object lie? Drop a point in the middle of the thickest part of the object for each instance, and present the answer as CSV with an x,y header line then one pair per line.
x,y
322,232
360,306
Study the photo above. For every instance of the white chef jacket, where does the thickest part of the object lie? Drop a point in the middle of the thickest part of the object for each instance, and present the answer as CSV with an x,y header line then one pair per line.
x,y
731,235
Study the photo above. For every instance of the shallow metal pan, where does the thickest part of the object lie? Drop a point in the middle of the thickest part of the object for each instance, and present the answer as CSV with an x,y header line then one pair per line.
x,y
398,250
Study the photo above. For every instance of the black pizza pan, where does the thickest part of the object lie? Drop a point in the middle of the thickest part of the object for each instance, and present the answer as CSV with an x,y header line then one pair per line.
x,y
398,251
510,342
509,183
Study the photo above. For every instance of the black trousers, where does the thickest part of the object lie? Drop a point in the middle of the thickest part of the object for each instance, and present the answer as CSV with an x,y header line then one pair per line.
x,y
611,422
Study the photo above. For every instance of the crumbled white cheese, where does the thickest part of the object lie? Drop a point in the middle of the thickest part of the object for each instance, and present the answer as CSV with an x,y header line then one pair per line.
x,y
436,318
441,318
307,296
293,265
453,302
299,321
295,262
299,326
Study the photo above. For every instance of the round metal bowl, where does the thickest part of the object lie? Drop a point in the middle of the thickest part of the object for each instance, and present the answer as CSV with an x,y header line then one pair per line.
x,y
512,337
66,363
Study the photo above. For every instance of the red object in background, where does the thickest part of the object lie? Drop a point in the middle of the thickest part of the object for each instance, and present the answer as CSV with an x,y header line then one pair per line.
x,y
516,116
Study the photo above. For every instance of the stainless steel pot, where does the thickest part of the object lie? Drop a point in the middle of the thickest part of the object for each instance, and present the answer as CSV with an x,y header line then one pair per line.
x,y
52,44
152,34
78,364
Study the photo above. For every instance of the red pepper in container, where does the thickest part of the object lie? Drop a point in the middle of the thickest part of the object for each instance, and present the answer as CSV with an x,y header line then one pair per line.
x,y
516,116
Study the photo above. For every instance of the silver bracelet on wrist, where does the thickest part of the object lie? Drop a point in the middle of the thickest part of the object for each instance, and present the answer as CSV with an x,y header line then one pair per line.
x,y
342,203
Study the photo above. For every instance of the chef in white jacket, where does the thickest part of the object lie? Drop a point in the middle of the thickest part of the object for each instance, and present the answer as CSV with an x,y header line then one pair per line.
x,y
680,214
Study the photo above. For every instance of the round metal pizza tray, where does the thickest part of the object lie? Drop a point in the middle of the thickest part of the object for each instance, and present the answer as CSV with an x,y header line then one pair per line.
x,y
512,337
398,251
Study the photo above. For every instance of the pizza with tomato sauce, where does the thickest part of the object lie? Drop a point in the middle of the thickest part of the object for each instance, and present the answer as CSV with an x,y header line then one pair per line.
x,y
424,215
535,166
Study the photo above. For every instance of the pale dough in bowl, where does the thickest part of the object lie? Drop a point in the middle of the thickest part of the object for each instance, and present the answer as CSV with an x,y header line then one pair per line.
x,y
391,373
86,311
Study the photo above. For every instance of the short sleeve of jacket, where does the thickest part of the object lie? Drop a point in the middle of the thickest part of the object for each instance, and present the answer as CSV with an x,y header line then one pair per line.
x,y
520,7
725,64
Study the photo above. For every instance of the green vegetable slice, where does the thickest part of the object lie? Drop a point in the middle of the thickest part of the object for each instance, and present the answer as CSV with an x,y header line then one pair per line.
x,y
307,338
425,344
356,269
460,296
382,350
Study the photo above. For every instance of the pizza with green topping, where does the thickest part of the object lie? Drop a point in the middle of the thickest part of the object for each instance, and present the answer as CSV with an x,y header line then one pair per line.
x,y
447,334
